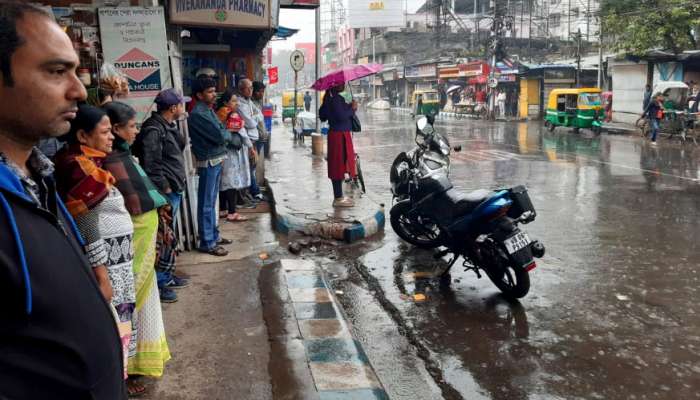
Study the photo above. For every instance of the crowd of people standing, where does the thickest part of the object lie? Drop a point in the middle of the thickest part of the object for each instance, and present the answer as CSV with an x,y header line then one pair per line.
x,y
89,229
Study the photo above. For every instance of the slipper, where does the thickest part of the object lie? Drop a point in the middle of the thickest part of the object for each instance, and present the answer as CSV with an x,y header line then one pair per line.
x,y
215,251
223,214
236,218
134,388
224,241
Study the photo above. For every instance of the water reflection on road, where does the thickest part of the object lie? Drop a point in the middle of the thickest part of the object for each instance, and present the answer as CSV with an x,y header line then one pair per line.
x,y
612,312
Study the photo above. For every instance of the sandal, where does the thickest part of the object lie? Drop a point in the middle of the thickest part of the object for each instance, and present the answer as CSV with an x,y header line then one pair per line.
x,y
223,241
236,218
134,388
215,251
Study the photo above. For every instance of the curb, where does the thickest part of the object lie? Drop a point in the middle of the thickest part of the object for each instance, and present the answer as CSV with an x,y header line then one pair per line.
x,y
336,360
454,115
346,231
366,228
613,129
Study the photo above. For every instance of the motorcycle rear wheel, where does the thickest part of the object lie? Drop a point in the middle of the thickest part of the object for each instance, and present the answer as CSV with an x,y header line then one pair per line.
x,y
408,229
512,280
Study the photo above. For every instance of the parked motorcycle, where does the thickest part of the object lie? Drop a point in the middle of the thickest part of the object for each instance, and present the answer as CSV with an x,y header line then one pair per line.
x,y
481,227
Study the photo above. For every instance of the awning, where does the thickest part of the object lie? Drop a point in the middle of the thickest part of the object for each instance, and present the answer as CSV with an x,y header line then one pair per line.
x,y
284,33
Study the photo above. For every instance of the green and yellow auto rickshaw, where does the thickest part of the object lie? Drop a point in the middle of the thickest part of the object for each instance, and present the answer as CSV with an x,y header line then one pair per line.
x,y
288,103
579,108
425,102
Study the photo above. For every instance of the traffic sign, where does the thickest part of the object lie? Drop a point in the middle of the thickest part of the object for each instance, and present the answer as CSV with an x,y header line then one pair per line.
x,y
297,60
493,83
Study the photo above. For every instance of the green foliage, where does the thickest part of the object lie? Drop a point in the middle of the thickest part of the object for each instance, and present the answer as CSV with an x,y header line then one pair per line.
x,y
641,25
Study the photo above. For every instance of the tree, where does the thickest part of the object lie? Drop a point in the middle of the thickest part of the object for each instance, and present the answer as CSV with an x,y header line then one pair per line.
x,y
641,25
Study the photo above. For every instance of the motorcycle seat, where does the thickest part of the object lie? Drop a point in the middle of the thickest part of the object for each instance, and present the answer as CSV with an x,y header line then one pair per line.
x,y
465,203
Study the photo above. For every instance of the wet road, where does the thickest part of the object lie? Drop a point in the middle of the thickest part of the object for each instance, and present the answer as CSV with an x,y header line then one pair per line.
x,y
612,311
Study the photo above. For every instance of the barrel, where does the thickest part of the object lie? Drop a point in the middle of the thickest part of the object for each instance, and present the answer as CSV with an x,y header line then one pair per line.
x,y
317,144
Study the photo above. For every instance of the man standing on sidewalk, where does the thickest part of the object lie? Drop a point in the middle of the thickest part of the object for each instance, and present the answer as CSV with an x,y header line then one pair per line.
x,y
263,134
58,337
209,138
307,101
246,109
159,148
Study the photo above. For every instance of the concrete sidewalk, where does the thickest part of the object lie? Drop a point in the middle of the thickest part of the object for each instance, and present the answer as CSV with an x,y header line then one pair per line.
x,y
216,332
620,127
303,195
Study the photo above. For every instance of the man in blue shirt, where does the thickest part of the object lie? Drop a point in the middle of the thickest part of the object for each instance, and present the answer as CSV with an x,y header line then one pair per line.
x,y
58,338
209,138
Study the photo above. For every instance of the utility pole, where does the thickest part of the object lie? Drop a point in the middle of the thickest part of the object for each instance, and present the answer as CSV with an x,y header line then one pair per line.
x,y
522,12
476,27
568,17
529,31
578,57
600,55
374,60
318,67
496,29
588,21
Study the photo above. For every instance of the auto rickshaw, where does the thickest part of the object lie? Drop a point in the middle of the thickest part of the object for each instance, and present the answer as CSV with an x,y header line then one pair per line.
x,y
429,101
288,103
677,119
577,108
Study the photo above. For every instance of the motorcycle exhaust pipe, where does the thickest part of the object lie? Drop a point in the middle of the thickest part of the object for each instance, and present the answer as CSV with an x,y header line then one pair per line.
x,y
537,249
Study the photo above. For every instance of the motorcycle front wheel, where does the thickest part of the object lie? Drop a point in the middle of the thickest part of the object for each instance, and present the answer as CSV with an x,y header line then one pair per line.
x,y
419,232
512,280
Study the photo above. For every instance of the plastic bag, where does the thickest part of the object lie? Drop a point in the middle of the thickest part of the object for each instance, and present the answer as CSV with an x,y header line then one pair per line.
x,y
112,82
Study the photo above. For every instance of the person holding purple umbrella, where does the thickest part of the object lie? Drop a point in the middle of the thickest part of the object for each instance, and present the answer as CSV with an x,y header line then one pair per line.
x,y
341,152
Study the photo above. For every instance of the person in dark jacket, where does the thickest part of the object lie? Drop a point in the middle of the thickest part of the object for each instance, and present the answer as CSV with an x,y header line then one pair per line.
x,y
655,113
341,153
209,138
58,336
159,147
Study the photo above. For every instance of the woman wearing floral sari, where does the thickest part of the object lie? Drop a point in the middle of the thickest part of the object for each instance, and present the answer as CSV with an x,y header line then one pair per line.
x,y
150,350
90,195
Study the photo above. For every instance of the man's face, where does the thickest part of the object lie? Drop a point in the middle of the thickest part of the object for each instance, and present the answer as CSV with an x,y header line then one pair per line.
x,y
208,96
259,94
247,90
46,90
179,110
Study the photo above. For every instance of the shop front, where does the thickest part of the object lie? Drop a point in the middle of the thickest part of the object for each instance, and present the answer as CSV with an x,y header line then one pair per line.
x,y
476,74
225,43
421,77
537,82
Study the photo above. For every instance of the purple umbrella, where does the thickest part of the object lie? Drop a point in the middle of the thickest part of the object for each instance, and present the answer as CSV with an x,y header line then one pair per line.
x,y
346,74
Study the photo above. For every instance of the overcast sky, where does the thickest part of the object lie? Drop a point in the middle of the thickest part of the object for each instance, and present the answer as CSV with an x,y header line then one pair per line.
x,y
305,20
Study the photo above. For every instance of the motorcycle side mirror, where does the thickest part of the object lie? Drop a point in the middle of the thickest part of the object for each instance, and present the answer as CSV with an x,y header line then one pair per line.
x,y
421,123
457,148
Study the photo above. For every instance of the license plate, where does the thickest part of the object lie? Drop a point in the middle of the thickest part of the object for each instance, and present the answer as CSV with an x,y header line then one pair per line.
x,y
517,242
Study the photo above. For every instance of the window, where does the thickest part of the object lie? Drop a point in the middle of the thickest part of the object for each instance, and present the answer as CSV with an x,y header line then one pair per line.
x,y
554,20
589,99
574,12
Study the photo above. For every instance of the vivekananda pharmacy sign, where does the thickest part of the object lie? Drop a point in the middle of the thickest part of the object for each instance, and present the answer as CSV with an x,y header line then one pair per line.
x,y
221,13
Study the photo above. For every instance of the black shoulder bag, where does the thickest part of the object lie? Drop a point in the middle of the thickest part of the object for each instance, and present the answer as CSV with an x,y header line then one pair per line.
x,y
356,126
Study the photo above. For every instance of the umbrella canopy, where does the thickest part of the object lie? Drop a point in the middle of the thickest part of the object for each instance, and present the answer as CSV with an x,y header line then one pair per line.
x,y
453,88
346,74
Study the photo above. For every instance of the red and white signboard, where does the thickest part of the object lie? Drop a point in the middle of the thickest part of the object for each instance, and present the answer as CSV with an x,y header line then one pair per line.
x,y
273,75
134,40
